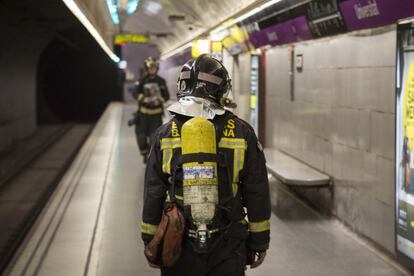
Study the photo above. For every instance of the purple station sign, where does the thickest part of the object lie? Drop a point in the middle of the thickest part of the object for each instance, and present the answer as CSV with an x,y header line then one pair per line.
x,y
289,31
361,14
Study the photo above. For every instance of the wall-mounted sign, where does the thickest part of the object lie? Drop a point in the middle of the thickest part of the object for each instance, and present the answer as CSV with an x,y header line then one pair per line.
x,y
361,14
130,38
235,42
199,47
290,31
254,92
299,62
404,142
217,50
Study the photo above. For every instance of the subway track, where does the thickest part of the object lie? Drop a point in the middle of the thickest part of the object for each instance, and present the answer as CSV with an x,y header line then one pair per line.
x,y
29,176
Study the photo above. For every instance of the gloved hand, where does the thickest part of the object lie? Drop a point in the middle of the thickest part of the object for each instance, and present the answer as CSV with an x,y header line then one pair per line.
x,y
153,265
255,258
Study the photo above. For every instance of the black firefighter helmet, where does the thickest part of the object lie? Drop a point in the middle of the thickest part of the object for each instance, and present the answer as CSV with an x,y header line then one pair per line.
x,y
204,77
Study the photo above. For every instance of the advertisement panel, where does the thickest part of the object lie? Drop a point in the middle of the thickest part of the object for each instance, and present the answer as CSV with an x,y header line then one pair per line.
x,y
404,153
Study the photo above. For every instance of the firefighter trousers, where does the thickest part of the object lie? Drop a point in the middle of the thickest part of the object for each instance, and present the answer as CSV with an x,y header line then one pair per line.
x,y
227,259
145,128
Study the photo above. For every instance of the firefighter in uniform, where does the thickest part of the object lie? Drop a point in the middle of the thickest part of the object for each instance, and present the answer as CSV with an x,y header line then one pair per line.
x,y
236,231
151,93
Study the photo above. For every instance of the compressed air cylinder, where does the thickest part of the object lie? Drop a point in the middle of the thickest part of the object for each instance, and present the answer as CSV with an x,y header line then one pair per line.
x,y
200,183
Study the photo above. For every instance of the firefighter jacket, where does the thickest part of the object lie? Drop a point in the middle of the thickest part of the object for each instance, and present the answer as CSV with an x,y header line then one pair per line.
x,y
244,166
154,88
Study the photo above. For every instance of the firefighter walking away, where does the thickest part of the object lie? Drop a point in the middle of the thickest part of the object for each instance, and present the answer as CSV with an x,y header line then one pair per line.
x,y
206,197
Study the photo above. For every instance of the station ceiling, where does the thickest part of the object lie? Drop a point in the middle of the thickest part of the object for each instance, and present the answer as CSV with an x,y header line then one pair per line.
x,y
167,23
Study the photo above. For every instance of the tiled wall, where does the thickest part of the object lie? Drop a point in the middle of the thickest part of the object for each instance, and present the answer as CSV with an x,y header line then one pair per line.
x,y
241,88
341,121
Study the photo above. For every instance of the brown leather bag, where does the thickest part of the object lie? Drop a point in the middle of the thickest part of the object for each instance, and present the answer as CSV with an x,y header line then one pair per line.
x,y
165,248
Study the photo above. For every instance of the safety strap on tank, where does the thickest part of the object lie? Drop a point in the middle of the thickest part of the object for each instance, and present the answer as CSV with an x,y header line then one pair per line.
x,y
198,157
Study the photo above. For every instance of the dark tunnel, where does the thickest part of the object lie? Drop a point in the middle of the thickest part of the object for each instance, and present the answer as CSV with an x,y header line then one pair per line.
x,y
75,79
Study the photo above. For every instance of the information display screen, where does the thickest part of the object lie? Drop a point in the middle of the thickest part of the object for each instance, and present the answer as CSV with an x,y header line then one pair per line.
x,y
404,165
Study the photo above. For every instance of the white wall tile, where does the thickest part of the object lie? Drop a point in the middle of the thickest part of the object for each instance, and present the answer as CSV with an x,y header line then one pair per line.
x,y
341,121
385,96
388,228
384,190
383,134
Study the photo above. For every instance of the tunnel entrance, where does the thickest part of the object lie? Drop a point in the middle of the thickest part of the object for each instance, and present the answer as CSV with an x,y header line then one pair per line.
x,y
75,79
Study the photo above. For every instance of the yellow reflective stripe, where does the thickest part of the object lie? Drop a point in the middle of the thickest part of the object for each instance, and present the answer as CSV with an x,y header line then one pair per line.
x,y
149,229
150,111
166,160
170,143
260,226
140,96
176,196
233,143
239,145
167,146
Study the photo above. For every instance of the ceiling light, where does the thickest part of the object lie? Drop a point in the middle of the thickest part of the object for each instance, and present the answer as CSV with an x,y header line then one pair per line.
x,y
131,6
92,30
152,8
244,16
113,10
228,23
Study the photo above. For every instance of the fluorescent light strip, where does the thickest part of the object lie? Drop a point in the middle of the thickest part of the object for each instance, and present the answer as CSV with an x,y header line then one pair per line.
x,y
244,16
113,11
225,26
88,25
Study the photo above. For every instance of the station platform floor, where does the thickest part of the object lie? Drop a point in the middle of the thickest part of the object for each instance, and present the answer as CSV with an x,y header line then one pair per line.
x,y
91,225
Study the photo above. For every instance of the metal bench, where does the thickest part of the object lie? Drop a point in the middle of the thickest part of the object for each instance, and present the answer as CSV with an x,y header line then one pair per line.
x,y
293,172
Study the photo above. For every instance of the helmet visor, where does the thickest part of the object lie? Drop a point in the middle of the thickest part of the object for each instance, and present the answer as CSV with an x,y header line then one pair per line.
x,y
188,85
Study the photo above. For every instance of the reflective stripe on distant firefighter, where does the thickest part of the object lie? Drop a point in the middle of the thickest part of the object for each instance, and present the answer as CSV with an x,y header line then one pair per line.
x,y
140,97
150,111
149,229
260,226
167,146
239,145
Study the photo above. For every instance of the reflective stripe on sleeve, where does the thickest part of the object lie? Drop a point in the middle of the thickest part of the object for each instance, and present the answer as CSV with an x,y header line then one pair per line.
x,y
166,160
167,146
149,229
260,226
239,145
